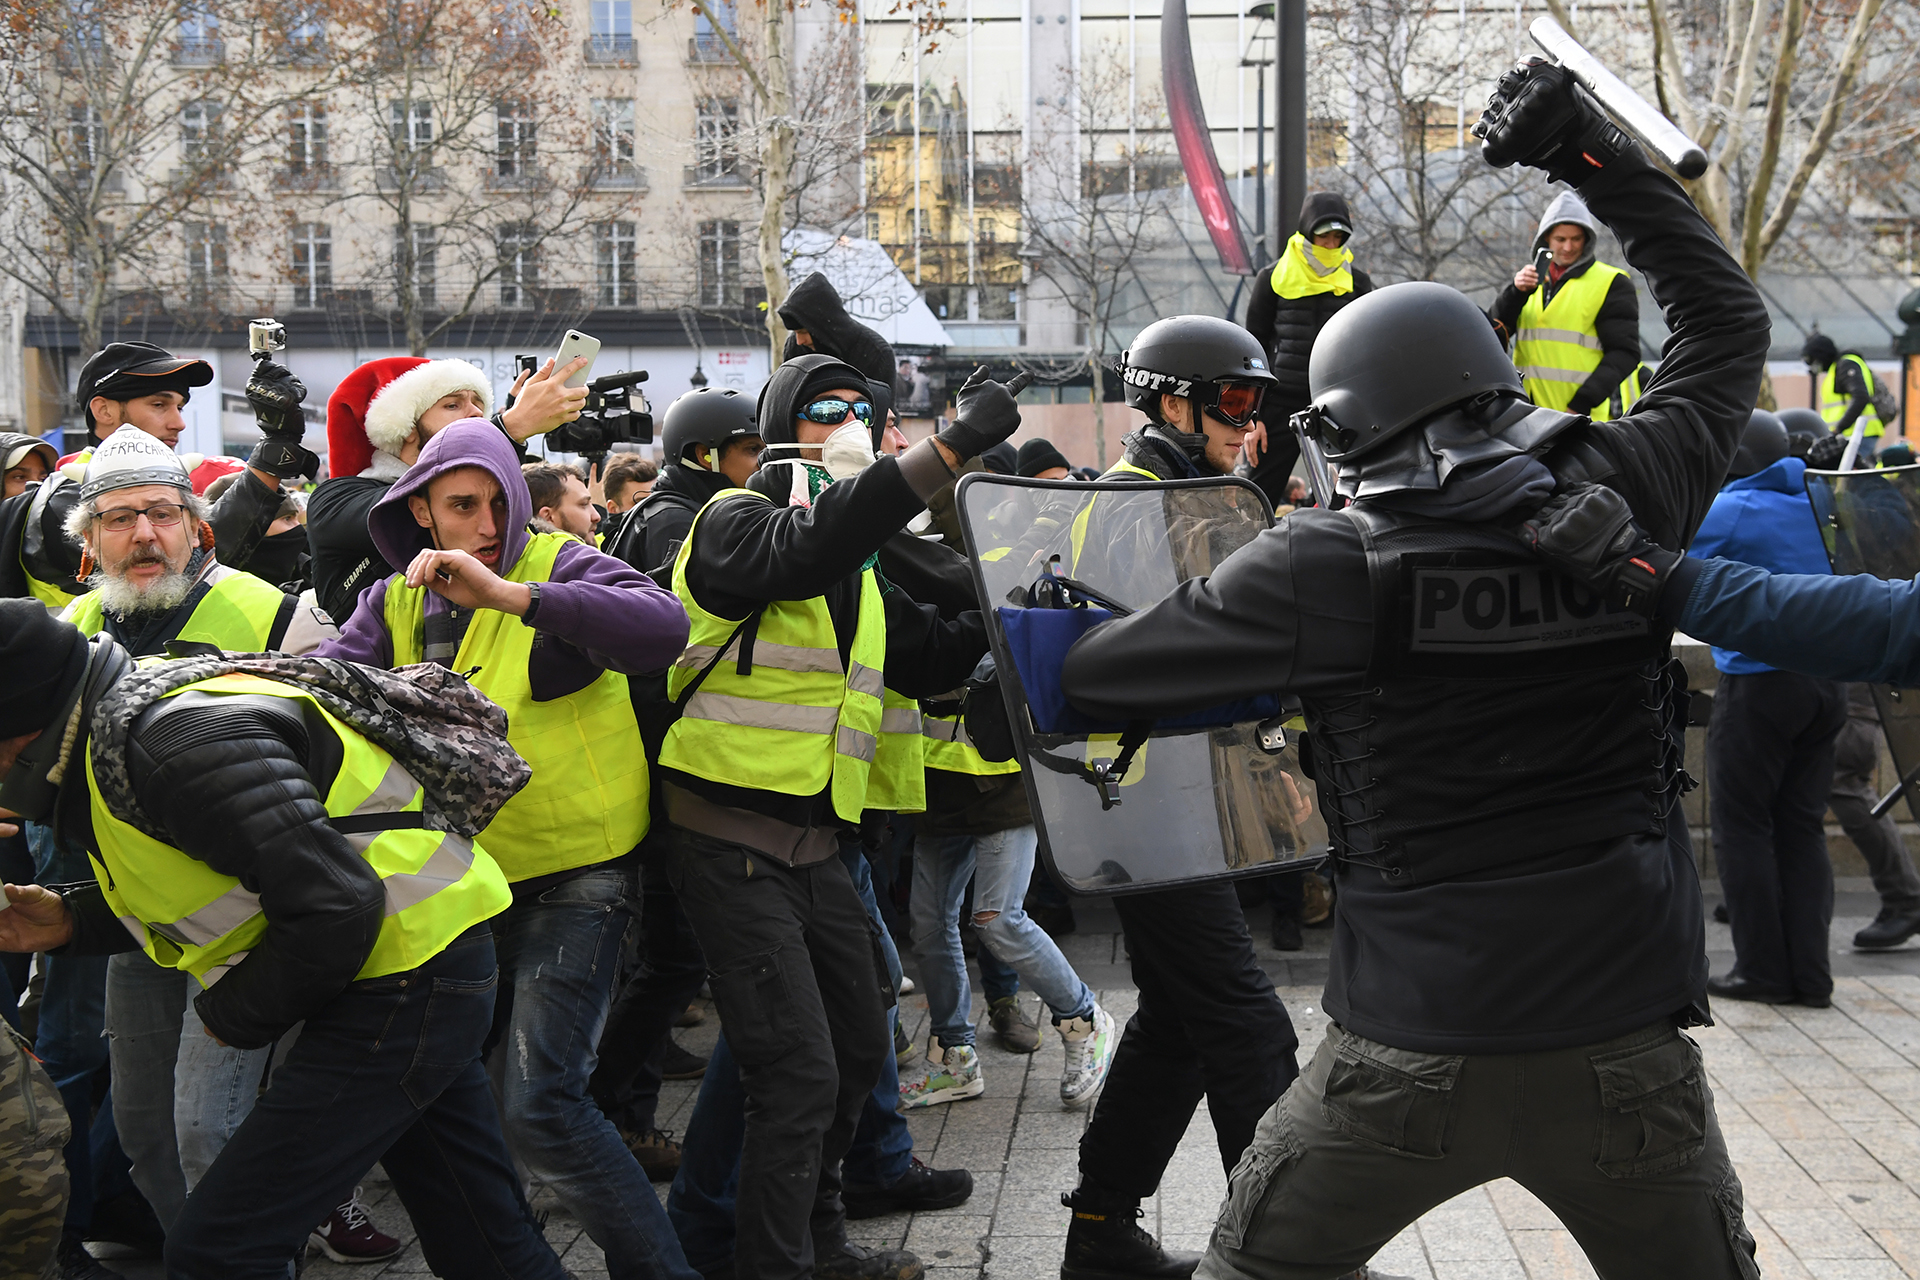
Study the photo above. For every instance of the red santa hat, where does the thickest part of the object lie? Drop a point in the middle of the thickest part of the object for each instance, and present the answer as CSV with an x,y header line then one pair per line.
x,y
376,407
205,471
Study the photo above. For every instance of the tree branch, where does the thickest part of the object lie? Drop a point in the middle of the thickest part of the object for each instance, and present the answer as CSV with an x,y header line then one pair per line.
x,y
1778,91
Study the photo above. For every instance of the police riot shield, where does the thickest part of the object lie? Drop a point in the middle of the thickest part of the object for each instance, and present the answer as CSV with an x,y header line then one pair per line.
x,y
1871,523
1145,804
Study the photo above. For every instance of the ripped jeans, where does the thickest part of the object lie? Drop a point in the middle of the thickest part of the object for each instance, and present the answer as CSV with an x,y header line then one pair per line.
x,y
1618,1139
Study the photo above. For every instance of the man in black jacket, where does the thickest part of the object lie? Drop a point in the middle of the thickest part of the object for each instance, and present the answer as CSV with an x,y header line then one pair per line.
x,y
709,444
1520,934
1291,302
237,785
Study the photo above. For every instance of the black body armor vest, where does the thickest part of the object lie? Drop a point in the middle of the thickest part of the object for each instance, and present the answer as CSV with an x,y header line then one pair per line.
x,y
1507,711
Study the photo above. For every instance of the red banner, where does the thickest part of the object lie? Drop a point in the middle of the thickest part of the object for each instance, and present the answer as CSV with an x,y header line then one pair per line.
x,y
1189,117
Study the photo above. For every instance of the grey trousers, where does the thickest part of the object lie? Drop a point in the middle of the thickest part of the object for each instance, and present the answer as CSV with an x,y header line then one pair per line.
x,y
1619,1139
1856,752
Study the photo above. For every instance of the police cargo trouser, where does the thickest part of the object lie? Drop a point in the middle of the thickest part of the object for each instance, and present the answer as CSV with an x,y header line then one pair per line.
x,y
1618,1139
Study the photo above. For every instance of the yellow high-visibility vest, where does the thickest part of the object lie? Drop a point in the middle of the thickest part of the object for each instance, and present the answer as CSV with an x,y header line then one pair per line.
x,y
1079,537
1556,348
949,748
799,720
1833,405
237,614
587,801
185,915
898,782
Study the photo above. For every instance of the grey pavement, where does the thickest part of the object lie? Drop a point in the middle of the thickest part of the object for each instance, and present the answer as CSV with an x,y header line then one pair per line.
x,y
1821,1109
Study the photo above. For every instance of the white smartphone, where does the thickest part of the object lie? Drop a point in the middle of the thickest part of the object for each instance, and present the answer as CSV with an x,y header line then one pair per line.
x,y
574,345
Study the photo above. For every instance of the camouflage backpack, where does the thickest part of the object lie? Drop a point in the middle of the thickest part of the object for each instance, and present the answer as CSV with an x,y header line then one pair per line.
x,y
440,729
33,1173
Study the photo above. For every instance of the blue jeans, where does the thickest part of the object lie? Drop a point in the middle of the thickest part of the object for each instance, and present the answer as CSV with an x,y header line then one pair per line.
x,y
388,1070
559,957
999,865
71,1039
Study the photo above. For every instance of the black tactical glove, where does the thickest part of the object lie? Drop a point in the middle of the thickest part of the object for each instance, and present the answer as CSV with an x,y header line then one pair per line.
x,y
1825,453
1587,530
1539,115
275,395
984,413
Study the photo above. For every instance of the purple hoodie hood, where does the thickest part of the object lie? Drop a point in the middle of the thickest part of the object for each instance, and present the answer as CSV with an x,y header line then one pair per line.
x,y
470,442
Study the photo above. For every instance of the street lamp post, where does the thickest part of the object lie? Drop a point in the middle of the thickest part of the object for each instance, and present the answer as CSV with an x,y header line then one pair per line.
x,y
1261,14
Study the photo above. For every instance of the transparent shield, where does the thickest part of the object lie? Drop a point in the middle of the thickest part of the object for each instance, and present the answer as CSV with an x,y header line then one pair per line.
x,y
1871,523
1218,797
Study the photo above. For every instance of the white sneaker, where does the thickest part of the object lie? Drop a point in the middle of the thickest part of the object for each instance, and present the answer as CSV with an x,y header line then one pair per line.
x,y
906,985
1090,1043
950,1075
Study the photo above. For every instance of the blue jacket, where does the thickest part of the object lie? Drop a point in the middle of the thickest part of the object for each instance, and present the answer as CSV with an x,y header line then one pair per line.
x,y
1763,520
1838,628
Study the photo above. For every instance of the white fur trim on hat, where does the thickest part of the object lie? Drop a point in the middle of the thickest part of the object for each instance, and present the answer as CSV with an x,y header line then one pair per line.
x,y
393,413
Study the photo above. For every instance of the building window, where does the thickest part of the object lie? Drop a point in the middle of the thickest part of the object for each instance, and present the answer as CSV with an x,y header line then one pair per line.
x,y
611,38
719,264
412,126
716,139
199,42
614,257
513,156
86,135
708,46
612,136
873,225
416,259
206,259
306,33
200,134
312,263
519,264
306,139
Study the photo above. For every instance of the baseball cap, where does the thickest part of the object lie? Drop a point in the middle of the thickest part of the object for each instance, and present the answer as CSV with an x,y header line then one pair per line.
x,y
124,370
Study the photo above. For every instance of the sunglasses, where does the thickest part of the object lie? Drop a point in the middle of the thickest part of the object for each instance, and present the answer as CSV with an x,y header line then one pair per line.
x,y
1235,403
831,413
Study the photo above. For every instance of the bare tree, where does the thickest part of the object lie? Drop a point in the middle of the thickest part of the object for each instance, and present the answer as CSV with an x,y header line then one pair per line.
x,y
1099,178
124,119
461,128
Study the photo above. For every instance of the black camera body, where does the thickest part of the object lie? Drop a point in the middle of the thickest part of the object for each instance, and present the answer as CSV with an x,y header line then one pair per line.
x,y
614,414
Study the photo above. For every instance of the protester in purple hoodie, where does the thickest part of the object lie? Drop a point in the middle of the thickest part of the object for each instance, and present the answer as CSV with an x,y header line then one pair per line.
x,y
550,629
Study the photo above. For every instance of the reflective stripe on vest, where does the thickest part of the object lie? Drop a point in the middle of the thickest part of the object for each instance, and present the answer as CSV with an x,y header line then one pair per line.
x,y
186,915
587,801
1555,347
949,748
237,614
1833,405
1122,467
898,782
794,724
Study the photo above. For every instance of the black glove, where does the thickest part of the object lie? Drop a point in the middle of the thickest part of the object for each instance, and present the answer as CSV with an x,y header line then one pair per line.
x,y
1825,453
1539,115
984,413
1587,530
275,395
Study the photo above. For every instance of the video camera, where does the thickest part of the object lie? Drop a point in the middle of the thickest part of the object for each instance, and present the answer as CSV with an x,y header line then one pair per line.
x,y
610,417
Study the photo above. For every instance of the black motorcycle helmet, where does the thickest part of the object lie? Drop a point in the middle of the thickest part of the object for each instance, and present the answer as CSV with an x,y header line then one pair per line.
x,y
1392,358
711,416
1202,358
1762,444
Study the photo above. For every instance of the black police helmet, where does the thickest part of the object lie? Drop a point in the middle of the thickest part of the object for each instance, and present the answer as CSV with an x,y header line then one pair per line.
x,y
1803,423
1392,358
1190,356
1762,444
711,416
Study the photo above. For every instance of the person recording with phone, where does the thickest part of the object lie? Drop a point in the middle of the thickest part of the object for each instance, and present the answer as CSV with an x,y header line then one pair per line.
x,y
378,419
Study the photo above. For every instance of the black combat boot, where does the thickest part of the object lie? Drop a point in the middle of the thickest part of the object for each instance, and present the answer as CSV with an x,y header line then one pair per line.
x,y
1103,1243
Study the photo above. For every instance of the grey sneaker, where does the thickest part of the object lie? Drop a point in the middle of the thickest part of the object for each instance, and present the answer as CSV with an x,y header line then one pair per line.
x,y
951,1075
1015,1033
1090,1043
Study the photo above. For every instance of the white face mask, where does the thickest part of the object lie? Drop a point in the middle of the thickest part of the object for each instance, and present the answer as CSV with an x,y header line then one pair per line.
x,y
849,450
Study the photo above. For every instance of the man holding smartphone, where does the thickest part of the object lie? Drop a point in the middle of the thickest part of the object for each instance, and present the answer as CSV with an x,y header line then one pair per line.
x,y
378,419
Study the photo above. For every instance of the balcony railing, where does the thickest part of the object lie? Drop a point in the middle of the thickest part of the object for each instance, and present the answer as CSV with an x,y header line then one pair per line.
x,y
708,48
199,51
722,177
307,177
620,175
304,50
84,49
418,178
612,50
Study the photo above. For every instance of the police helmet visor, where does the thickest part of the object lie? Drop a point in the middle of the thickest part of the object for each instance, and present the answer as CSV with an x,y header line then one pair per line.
x,y
831,412
1235,403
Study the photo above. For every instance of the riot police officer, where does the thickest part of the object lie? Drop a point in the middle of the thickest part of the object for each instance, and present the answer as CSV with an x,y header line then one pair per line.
x,y
1208,1021
1520,936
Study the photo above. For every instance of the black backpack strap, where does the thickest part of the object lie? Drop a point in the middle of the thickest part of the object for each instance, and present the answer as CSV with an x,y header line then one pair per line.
x,y
748,625
1104,777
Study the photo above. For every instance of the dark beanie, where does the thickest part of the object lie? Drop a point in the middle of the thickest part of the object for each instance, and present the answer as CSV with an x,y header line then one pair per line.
x,y
43,658
1040,455
1001,459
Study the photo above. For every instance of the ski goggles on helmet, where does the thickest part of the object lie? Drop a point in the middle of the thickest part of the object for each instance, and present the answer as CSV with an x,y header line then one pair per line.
x,y
833,411
1234,403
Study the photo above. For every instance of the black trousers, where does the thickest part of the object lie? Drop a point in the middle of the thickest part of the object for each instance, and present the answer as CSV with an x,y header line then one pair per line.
x,y
803,995
1770,752
663,979
1208,1024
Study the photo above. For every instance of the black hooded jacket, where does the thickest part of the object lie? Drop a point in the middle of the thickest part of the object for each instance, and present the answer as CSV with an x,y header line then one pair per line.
x,y
650,535
748,553
1287,327
1557,950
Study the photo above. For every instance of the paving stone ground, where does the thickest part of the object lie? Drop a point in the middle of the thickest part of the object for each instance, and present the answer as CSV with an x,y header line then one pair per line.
x,y
1821,1110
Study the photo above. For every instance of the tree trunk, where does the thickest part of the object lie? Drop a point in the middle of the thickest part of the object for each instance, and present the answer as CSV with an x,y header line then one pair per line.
x,y
1099,379
776,166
